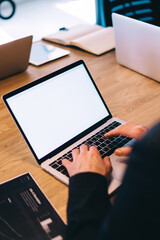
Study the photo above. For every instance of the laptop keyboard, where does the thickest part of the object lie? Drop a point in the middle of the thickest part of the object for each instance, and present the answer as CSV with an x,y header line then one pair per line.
x,y
105,146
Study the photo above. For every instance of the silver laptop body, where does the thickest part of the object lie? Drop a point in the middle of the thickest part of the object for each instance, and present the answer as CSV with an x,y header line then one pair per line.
x,y
59,112
14,56
137,45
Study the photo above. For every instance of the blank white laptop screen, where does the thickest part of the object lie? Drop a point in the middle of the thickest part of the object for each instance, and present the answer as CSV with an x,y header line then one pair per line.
x,y
54,111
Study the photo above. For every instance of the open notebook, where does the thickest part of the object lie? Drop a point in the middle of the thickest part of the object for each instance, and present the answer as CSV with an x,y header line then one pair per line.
x,y
91,38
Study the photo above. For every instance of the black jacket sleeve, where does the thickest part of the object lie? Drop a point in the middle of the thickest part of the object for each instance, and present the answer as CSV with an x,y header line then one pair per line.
x,y
136,210
87,206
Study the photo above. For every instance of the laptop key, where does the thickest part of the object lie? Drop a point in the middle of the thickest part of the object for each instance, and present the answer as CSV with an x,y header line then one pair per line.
x,y
110,152
55,165
59,162
61,168
64,171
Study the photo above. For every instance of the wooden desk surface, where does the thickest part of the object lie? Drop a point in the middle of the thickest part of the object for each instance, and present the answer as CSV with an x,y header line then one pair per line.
x,y
129,95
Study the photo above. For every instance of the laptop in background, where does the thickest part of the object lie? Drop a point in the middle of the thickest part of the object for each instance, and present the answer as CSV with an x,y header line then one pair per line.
x,y
137,45
61,111
15,56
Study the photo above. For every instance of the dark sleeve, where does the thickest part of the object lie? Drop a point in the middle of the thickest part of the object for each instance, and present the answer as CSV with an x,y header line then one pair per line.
x,y
136,211
88,204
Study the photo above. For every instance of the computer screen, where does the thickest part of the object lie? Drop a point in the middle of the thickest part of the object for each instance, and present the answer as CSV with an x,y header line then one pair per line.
x,y
58,109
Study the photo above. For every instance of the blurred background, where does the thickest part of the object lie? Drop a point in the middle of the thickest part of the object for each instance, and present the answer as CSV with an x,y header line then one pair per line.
x,y
43,17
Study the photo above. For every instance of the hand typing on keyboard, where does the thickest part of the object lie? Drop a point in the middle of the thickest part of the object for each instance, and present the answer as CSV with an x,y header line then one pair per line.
x,y
129,130
87,159
104,143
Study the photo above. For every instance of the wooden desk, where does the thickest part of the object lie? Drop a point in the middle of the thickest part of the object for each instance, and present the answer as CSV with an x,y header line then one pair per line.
x,y
129,95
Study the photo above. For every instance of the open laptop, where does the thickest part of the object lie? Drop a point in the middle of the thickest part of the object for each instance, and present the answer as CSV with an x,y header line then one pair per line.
x,y
61,111
137,45
15,56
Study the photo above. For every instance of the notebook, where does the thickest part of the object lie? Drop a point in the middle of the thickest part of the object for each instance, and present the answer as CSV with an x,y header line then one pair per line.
x,y
92,38
15,56
58,113
137,45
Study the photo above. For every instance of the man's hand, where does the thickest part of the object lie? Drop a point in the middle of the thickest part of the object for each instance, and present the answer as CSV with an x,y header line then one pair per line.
x,y
130,130
87,159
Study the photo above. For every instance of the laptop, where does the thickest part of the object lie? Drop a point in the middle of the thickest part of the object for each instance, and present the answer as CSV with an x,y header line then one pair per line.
x,y
58,113
137,45
15,56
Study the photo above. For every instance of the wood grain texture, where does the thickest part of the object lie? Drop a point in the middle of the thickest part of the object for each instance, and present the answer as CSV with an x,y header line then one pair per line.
x,y
129,95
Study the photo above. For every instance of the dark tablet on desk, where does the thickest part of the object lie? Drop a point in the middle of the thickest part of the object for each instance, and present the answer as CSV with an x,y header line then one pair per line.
x,y
26,212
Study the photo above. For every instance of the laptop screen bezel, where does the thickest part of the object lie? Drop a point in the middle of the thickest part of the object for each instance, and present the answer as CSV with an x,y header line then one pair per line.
x,y
45,78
